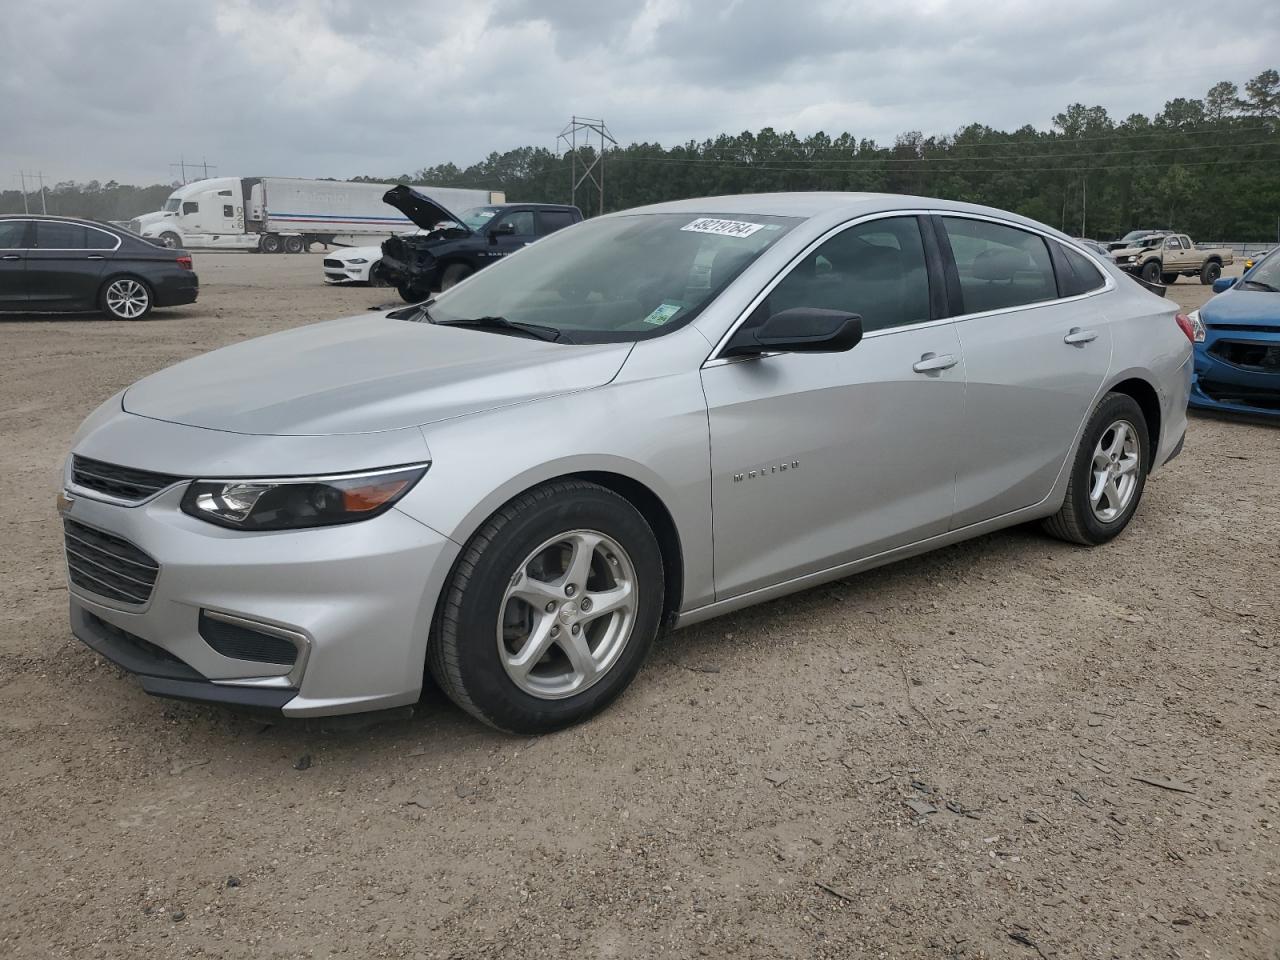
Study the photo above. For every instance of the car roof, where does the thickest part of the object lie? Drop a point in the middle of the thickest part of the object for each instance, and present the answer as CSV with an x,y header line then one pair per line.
x,y
829,206
50,216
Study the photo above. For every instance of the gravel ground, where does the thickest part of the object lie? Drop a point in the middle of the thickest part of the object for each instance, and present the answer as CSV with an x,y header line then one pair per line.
x,y
1097,733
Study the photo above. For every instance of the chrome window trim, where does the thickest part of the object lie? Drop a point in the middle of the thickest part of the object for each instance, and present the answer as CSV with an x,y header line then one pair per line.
x,y
1108,281
89,494
119,240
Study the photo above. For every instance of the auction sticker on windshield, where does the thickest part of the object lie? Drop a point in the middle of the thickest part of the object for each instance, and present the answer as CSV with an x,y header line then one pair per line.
x,y
723,228
662,314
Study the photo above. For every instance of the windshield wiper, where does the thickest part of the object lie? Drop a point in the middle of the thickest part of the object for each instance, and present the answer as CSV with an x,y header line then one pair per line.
x,y
1264,286
537,330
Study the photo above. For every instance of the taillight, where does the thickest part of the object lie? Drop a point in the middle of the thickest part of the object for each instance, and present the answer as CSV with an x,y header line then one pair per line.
x,y
1185,325
185,264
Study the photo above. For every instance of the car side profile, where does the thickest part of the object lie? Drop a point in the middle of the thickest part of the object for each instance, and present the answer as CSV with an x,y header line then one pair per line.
x,y
641,422
64,265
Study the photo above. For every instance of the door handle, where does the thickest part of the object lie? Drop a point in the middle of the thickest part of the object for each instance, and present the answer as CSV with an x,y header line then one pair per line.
x,y
932,362
1078,337
11,256
95,256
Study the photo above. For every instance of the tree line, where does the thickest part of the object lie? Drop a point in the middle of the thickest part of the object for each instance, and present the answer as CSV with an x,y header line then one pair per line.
x,y
1209,167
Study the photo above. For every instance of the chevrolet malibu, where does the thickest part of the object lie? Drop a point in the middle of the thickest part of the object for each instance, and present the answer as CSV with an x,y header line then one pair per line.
x,y
640,422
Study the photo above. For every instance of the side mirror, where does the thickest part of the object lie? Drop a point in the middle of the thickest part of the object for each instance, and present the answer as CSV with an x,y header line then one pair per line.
x,y
502,230
1224,283
799,330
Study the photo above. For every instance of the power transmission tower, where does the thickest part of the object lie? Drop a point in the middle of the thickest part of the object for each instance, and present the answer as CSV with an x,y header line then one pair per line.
x,y
39,177
181,164
579,139
23,177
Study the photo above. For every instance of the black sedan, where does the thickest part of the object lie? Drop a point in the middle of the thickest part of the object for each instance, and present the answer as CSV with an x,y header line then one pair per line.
x,y
62,265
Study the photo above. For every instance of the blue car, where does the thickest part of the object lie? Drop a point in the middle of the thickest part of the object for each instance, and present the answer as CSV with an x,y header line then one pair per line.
x,y
1237,344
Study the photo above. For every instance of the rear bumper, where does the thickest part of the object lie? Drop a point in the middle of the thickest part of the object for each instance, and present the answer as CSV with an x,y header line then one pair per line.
x,y
177,290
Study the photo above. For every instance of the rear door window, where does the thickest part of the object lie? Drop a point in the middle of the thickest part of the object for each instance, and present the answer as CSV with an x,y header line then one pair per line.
x,y
99,239
549,221
51,235
13,234
999,266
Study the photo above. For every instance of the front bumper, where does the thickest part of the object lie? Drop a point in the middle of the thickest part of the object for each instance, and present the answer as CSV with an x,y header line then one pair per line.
x,y
358,598
1238,372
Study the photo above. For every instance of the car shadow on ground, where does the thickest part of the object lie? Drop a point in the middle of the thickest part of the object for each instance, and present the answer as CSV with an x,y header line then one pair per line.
x,y
156,316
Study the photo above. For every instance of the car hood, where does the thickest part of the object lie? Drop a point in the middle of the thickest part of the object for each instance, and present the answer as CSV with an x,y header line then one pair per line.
x,y
421,209
366,374
1257,308
352,253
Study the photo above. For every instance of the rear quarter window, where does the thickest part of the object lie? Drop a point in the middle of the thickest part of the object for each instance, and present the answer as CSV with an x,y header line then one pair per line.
x,y
1078,275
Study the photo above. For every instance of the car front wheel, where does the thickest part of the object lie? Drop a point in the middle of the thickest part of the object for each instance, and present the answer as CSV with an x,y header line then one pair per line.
x,y
1151,271
550,610
1108,474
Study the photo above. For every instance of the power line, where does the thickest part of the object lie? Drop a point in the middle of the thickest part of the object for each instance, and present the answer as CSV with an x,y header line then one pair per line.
x,y
1101,154
766,168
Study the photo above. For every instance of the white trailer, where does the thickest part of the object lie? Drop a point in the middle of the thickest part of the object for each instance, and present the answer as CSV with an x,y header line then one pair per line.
x,y
286,214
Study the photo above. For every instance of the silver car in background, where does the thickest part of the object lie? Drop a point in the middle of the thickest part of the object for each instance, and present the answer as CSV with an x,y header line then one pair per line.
x,y
639,422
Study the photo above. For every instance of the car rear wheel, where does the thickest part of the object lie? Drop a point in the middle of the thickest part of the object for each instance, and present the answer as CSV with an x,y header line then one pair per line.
x,y
550,610
1151,271
1210,272
1168,279
1108,474
126,298
454,274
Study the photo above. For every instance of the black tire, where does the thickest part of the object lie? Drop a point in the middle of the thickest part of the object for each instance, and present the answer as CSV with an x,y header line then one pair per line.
x,y
376,277
1168,279
411,294
463,657
1076,522
1210,272
294,245
453,274
126,298
269,243
170,240
1151,271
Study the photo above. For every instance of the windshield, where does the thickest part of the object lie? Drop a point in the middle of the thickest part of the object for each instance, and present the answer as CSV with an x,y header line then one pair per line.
x,y
627,277
1267,271
1133,235
477,217
173,205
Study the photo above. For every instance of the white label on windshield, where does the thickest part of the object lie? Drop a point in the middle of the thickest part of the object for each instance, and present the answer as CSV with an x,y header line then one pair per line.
x,y
662,314
723,228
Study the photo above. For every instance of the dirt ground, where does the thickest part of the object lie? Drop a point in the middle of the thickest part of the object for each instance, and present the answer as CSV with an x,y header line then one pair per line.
x,y
1097,731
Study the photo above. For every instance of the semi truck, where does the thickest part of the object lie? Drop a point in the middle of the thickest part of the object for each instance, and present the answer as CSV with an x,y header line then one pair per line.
x,y
285,214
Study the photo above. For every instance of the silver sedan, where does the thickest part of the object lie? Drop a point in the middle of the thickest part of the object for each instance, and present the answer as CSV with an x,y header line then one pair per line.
x,y
638,423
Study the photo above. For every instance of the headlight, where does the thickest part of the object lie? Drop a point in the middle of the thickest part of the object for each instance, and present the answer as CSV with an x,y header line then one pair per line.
x,y
296,502
357,260
1130,259
1197,326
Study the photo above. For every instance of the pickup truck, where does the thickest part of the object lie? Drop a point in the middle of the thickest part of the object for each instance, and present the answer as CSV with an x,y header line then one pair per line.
x,y
1162,258
451,246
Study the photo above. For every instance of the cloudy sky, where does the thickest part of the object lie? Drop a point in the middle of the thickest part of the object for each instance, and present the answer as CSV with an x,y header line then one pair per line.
x,y
117,89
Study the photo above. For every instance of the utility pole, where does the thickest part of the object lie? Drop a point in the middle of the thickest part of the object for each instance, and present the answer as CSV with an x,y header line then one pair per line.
x,y
1084,208
579,138
44,208
23,177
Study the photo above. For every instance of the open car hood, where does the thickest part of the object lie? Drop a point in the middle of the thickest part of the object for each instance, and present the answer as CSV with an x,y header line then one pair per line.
x,y
421,209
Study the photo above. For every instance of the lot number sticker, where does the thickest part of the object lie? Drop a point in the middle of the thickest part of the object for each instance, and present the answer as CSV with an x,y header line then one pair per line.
x,y
723,228
662,314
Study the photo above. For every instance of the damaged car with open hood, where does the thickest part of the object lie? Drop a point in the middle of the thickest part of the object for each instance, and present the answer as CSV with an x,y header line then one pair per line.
x,y
452,247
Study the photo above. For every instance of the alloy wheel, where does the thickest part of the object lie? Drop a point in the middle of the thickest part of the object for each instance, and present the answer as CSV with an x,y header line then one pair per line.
x,y
567,614
1115,471
127,299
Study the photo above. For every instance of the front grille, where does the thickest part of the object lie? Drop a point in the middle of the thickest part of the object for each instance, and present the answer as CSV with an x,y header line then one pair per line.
x,y
1262,357
1223,392
328,262
1242,327
243,643
123,482
107,565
